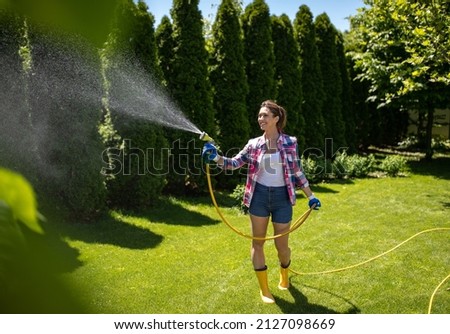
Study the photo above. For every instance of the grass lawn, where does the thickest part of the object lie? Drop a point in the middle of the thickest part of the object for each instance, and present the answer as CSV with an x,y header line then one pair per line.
x,y
178,257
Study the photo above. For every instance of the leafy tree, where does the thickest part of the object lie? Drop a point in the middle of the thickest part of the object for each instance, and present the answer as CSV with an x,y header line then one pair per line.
x,y
326,39
259,57
403,54
312,86
227,75
288,75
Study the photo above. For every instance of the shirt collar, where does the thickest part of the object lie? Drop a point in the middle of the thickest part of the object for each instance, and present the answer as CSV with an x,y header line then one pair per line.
x,y
261,142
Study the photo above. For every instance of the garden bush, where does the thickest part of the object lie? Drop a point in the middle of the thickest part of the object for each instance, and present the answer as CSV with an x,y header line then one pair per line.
x,y
353,165
394,165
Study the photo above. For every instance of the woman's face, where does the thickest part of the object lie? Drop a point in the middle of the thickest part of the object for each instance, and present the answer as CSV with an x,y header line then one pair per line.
x,y
266,119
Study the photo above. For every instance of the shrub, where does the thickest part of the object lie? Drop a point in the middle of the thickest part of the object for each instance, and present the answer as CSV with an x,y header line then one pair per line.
x,y
394,165
312,169
353,165
238,195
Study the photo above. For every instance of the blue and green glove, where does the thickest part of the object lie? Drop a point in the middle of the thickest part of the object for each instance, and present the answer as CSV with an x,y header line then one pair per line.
x,y
209,153
313,200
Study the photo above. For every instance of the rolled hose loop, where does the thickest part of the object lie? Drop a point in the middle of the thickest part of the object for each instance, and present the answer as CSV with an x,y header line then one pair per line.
x,y
294,226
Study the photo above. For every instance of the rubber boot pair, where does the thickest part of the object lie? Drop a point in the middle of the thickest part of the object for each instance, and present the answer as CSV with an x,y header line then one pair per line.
x,y
264,291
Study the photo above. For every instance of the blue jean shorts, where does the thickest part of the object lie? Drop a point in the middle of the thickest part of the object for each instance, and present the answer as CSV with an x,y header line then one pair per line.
x,y
271,201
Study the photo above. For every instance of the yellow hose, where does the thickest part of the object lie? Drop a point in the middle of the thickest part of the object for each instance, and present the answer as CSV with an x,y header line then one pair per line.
x,y
380,255
373,258
294,226
434,292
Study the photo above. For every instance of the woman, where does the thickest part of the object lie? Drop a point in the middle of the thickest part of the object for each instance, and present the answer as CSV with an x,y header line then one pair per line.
x,y
274,170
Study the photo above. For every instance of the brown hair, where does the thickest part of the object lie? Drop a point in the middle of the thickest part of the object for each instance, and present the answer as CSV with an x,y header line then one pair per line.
x,y
276,110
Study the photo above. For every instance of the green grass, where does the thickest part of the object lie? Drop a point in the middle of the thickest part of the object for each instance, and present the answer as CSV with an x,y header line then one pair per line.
x,y
178,257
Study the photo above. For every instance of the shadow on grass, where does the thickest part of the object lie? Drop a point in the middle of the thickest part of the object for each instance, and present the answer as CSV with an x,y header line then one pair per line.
x,y
106,230
302,306
223,199
438,167
31,281
168,211
323,189
53,251
113,231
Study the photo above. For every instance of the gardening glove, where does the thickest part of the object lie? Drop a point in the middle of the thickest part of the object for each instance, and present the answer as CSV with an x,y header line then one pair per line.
x,y
313,200
209,153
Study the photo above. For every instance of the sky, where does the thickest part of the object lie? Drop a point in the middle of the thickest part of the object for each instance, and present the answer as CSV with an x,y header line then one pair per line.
x,y
337,10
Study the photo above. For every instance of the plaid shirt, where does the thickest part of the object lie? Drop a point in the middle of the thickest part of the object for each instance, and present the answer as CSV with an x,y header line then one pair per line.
x,y
252,155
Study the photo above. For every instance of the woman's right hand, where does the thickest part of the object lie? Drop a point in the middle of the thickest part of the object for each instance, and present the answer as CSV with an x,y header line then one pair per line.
x,y
209,153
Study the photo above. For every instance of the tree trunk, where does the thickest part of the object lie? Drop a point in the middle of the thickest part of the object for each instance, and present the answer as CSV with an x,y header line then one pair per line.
x,y
429,131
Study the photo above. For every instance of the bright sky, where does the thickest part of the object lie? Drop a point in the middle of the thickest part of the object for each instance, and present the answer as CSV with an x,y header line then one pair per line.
x,y
337,10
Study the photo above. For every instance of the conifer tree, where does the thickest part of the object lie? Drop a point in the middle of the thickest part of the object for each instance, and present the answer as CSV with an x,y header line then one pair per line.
x,y
288,75
191,90
65,114
165,46
227,75
12,93
137,143
259,58
348,114
326,36
311,79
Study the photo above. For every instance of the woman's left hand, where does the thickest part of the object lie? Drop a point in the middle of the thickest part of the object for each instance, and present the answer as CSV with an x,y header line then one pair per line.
x,y
314,202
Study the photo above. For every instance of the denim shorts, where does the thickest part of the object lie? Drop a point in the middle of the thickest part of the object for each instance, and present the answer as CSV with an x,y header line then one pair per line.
x,y
267,201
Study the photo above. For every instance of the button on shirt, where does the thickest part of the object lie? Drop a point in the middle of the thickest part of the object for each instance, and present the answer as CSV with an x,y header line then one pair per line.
x,y
252,155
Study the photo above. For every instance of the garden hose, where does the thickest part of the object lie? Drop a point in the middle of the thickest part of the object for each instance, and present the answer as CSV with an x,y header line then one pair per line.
x,y
373,258
381,255
301,220
294,226
434,293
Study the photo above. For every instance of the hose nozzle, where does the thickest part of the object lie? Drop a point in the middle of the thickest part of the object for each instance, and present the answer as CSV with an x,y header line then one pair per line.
x,y
205,137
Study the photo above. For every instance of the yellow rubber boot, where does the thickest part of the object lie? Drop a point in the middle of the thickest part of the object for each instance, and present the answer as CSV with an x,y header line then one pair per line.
x,y
264,292
284,277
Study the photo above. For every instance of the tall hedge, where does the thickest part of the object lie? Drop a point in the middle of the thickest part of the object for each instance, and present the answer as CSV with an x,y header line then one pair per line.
x,y
259,59
326,38
14,125
65,100
165,46
288,76
136,144
313,94
228,79
348,113
191,90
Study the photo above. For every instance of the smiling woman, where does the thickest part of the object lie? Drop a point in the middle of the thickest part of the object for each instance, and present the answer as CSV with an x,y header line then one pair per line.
x,y
274,171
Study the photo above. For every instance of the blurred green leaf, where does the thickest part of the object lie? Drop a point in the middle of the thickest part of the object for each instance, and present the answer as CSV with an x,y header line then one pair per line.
x,y
18,194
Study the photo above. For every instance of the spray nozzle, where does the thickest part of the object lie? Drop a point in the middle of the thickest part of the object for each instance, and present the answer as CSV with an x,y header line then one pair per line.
x,y
205,137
